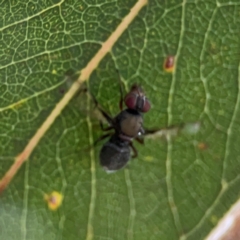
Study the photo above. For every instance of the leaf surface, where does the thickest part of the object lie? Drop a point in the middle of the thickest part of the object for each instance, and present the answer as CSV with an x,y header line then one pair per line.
x,y
176,189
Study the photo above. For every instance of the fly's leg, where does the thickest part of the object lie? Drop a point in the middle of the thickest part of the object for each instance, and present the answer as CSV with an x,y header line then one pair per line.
x,y
107,117
107,128
135,152
140,140
151,131
102,138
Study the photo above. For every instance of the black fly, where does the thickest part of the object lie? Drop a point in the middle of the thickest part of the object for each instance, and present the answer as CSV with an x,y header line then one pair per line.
x,y
127,126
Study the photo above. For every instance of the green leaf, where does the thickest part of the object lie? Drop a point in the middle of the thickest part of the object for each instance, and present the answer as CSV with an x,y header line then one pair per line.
x,y
177,188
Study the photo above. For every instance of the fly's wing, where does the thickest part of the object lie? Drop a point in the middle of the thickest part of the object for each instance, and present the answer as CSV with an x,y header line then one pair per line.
x,y
113,157
189,128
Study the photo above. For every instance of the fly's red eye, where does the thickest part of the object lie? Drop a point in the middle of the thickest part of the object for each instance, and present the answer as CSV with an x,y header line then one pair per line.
x,y
130,101
146,106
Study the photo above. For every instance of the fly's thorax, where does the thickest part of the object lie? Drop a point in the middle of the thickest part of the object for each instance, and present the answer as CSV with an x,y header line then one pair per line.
x,y
129,122
118,142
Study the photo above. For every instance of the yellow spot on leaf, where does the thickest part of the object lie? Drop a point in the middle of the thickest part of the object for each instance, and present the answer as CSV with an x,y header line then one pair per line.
x,y
221,112
214,219
169,64
17,104
202,146
54,200
54,71
169,70
213,45
148,158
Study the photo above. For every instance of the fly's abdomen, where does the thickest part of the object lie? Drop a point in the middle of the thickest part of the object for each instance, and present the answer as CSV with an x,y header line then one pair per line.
x,y
113,156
